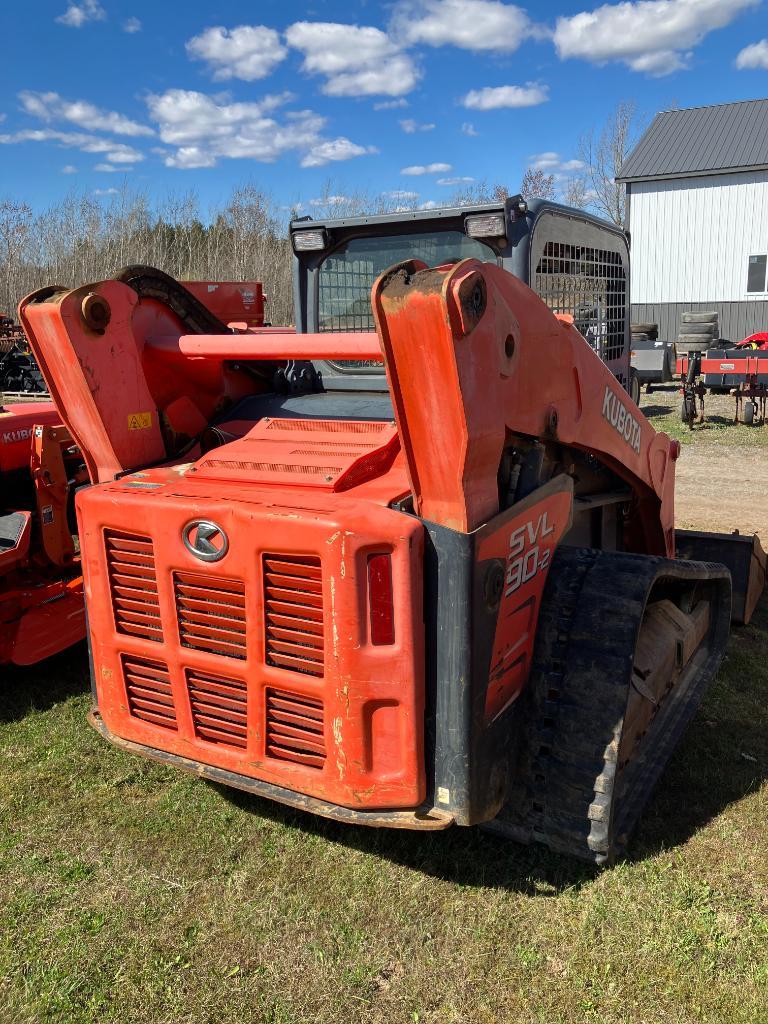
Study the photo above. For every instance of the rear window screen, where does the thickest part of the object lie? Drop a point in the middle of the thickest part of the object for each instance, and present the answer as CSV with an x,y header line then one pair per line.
x,y
347,275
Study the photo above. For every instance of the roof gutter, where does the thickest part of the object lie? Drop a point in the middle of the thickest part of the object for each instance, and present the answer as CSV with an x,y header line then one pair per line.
x,y
705,173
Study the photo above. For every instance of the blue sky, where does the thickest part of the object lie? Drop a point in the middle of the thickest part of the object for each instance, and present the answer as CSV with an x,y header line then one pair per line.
x,y
208,95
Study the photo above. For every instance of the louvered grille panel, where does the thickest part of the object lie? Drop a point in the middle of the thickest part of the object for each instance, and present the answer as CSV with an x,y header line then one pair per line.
x,y
133,586
211,614
295,728
293,603
219,709
148,691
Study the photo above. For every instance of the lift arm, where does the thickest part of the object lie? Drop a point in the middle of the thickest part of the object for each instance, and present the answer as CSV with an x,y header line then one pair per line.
x,y
473,356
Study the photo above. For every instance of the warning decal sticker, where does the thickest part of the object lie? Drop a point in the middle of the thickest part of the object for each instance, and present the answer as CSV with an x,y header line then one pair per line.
x,y
139,420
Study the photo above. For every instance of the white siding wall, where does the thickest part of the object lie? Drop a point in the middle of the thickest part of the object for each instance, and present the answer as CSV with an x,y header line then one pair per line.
x,y
691,237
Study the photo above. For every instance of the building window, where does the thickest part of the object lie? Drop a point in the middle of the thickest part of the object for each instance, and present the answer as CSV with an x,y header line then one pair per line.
x,y
756,273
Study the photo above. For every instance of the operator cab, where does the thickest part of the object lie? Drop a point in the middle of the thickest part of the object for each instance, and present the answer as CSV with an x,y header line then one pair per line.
x,y
577,263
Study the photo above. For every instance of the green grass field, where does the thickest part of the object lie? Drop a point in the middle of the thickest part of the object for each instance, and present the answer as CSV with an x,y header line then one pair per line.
x,y
134,893
662,407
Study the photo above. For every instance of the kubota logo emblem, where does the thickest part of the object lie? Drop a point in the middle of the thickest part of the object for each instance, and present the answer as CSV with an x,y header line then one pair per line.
x,y
205,540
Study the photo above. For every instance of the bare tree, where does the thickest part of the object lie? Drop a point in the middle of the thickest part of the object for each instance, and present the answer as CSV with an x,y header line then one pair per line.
x,y
537,185
577,193
603,153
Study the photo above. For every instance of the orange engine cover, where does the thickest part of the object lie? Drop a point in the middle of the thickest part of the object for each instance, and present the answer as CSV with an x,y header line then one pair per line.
x,y
260,662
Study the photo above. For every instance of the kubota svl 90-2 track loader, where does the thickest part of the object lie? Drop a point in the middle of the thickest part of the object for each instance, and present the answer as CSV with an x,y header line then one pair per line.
x,y
453,599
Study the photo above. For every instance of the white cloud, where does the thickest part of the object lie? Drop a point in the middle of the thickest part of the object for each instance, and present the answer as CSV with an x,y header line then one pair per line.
x,y
131,25
334,149
410,127
69,169
117,152
470,24
454,181
430,204
331,201
203,129
552,161
418,169
248,52
469,129
106,191
544,161
391,104
401,195
111,169
650,36
76,15
356,60
753,56
49,106
529,95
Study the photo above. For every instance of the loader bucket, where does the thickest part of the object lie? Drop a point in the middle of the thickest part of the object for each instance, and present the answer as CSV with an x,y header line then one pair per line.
x,y
743,555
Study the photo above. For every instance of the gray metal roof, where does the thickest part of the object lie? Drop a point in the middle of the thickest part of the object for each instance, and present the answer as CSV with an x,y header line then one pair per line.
x,y
726,138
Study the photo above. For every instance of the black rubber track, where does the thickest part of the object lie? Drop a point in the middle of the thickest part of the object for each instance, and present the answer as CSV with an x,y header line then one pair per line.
x,y
567,792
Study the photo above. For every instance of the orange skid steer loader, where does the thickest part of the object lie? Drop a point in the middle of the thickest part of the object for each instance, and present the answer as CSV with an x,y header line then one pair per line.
x,y
453,600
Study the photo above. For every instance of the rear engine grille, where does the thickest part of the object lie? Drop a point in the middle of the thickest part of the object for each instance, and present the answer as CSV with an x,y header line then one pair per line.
x,y
293,603
295,728
219,709
148,689
330,426
211,614
133,584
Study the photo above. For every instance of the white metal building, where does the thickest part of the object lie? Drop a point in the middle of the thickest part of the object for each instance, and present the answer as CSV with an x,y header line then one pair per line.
x,y
697,212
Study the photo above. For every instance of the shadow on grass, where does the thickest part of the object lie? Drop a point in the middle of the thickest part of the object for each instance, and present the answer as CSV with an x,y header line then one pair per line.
x,y
462,856
715,421
724,755
39,687
722,758
649,411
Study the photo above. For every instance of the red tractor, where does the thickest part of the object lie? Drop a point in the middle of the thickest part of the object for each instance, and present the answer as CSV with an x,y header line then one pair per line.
x,y
41,588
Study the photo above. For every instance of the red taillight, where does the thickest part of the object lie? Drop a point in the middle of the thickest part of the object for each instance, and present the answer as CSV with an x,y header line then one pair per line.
x,y
380,600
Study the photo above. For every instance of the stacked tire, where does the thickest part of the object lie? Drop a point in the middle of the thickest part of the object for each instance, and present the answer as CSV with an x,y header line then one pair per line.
x,y
644,331
698,332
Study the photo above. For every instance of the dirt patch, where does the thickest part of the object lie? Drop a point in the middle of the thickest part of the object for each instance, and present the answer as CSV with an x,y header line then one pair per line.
x,y
723,488
722,472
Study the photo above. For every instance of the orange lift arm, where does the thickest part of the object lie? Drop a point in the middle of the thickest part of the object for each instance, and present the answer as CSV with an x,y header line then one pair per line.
x,y
474,357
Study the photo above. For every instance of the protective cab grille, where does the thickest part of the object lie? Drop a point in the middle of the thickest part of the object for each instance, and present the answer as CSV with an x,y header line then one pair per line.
x,y
295,728
219,709
148,690
590,284
133,586
211,614
293,612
